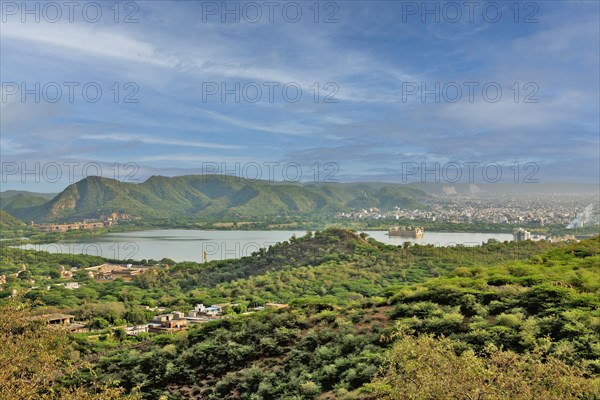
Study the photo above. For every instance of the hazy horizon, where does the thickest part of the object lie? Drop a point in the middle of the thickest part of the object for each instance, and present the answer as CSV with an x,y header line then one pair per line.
x,y
485,186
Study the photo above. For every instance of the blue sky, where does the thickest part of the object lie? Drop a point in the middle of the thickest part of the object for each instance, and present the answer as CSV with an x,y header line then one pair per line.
x,y
371,54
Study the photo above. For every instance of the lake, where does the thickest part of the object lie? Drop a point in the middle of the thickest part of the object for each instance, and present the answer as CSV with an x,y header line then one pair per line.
x,y
190,245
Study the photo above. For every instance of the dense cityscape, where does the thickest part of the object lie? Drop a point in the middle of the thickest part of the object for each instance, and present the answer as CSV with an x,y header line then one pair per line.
x,y
569,211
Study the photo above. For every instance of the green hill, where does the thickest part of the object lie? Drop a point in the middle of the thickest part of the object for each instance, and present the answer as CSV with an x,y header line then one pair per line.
x,y
14,204
7,221
12,201
308,250
9,194
365,320
530,324
209,196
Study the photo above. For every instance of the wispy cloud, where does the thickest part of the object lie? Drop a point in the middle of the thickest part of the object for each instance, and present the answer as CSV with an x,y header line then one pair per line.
x,y
85,39
146,139
368,54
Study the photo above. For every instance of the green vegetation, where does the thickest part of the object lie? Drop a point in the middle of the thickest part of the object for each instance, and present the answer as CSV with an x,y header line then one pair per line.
x,y
427,368
366,320
7,221
12,204
216,197
38,362
517,305
502,330
271,355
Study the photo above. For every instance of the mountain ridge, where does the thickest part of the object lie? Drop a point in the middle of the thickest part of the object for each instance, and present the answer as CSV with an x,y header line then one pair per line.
x,y
203,196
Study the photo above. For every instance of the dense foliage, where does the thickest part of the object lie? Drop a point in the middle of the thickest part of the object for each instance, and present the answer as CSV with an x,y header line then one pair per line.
x,y
357,307
425,368
37,362
270,355
516,305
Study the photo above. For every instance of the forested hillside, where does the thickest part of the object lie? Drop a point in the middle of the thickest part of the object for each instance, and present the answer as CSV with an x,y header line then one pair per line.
x,y
360,313
544,308
7,221
213,196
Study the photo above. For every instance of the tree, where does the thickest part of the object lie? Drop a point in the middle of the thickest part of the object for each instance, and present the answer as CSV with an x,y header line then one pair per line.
x,y
120,334
25,275
137,316
99,323
34,361
240,308
167,261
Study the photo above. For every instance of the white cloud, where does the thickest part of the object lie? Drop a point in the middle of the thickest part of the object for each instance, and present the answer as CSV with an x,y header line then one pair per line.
x,y
147,139
198,159
285,129
85,39
509,114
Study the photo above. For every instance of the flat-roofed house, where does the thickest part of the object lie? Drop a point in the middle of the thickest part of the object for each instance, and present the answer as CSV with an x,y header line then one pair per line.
x,y
58,319
168,323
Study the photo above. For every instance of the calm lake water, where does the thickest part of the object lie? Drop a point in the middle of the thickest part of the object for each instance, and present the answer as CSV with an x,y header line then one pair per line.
x,y
190,245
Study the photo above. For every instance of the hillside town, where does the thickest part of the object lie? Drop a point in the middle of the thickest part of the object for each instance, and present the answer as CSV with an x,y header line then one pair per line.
x,y
171,322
